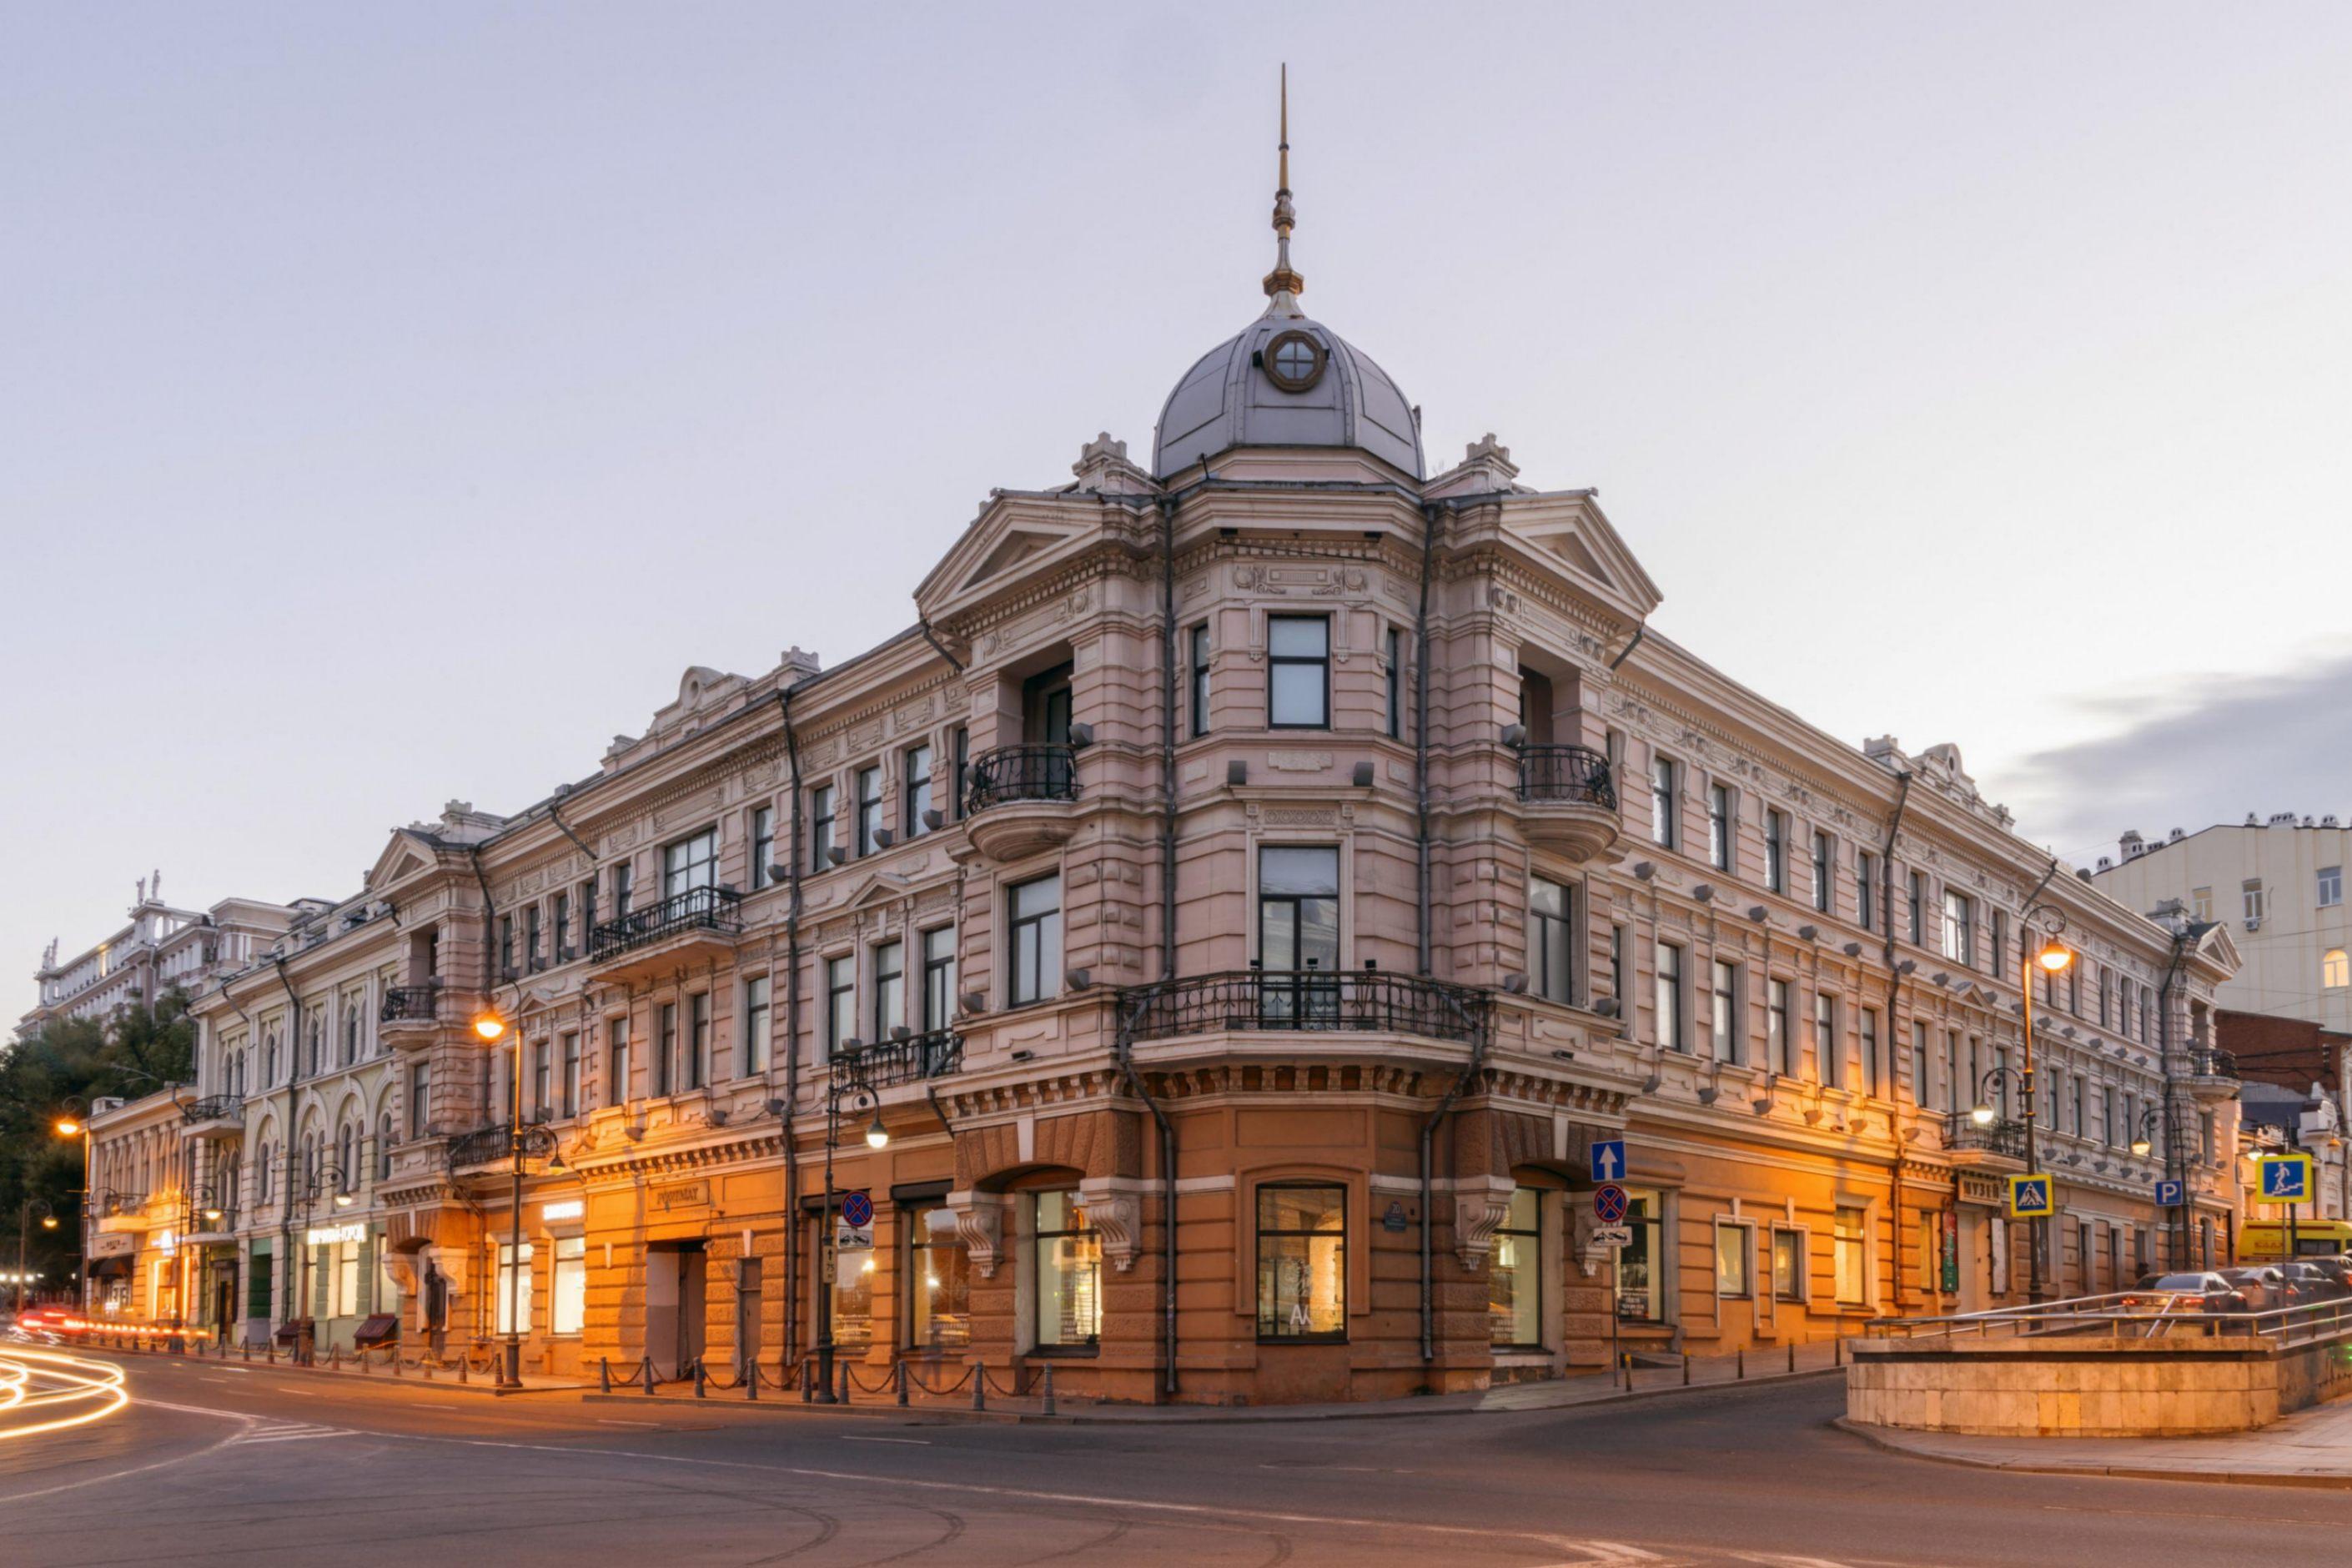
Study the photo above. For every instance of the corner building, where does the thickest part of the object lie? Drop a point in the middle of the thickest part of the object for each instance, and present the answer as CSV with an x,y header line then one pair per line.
x,y
1243,899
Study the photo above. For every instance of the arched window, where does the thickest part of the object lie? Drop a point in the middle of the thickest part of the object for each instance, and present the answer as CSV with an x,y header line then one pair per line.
x,y
2336,969
318,1045
263,1178
351,1034
347,1149
383,1147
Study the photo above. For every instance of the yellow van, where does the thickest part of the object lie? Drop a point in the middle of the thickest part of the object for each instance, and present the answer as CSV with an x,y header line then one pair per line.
x,y
2264,1241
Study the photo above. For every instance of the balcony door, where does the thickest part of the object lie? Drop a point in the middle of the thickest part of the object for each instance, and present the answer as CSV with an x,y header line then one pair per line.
x,y
1299,933
690,865
1046,724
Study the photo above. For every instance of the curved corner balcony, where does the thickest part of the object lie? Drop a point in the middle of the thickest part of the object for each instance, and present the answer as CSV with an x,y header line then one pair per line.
x,y
696,926
2212,1073
1016,800
1567,801
1305,1001
1997,1145
215,1116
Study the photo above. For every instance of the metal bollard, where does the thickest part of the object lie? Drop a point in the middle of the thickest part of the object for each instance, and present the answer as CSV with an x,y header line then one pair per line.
x,y
701,1379
603,1375
464,1366
1837,1351
1049,1388
808,1394
1792,1355
363,1371
648,1365
751,1378
426,1360
978,1386
1686,1369
845,1382
396,1361
902,1382
1740,1362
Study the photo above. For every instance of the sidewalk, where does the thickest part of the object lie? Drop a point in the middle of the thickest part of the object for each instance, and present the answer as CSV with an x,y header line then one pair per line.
x,y
2309,1448
470,1381
1821,1359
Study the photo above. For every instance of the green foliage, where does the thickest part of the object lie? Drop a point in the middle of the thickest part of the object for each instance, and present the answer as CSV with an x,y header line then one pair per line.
x,y
71,1063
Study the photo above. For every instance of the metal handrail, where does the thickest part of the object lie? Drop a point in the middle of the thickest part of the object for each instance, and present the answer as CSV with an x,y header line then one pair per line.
x,y
496,1141
696,909
1310,1000
2211,1061
1576,774
887,1062
410,1001
1033,771
2308,1322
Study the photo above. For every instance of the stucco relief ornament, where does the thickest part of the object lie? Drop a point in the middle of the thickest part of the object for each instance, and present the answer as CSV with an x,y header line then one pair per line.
x,y
1476,1213
1118,1220
980,1226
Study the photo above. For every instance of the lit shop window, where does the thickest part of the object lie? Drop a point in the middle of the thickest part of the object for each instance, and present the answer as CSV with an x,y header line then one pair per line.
x,y
1069,1272
1302,1262
1515,1273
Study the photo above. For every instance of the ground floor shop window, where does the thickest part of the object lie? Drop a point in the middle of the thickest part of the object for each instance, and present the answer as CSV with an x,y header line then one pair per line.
x,y
1514,1274
939,1283
1733,1262
334,1278
1069,1272
1641,1262
853,1285
257,1283
1302,1262
567,1304
1848,1254
512,1306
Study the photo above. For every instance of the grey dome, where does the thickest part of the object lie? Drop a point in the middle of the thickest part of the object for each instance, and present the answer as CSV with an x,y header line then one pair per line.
x,y
1227,400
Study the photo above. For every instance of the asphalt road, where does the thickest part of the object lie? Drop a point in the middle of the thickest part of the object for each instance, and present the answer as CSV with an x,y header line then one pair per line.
x,y
222,1463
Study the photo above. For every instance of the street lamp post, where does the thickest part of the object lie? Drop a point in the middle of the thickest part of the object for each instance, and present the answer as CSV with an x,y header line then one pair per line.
x,y
24,1229
331,1178
828,1245
69,1125
2052,960
522,1143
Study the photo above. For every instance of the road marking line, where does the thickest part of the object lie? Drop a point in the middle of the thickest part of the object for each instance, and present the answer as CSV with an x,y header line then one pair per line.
x,y
912,1442
601,1422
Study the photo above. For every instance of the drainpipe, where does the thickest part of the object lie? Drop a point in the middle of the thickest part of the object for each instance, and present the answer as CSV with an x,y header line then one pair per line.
x,y
1893,985
567,833
938,647
1124,1045
1641,630
286,1141
2176,1164
1168,759
1431,513
793,1026
1428,1133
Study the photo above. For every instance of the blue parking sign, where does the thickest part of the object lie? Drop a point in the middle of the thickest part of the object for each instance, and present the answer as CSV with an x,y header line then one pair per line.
x,y
2171,1195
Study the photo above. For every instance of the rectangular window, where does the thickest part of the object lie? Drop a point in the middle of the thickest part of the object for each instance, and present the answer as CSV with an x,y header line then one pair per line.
x,y
939,978
1922,1079
1733,1263
1952,1085
1960,928
821,820
1298,671
1036,954
1617,970
690,865
2110,1124
1723,1012
939,1294
1199,714
530,941
506,945
1396,684
1302,1262
1549,947
2106,997
1825,864
763,846
616,1061
2254,904
1069,1273
420,1099
513,1305
587,909
917,791
870,810
1779,1034
1514,1274
2331,886
665,1050
1865,888
1918,911
697,1045
959,747
1828,1064
2001,944
890,988
1873,1081
563,948
542,1102
1665,803
624,883
1789,1265
1850,1255
1718,827
840,1002
1776,852
1298,931
755,1025
570,1053
1642,1262
1670,996
567,1306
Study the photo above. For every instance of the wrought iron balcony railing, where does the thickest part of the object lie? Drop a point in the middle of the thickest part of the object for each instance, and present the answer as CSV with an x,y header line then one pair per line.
x,y
886,1062
486,1145
212,1108
1364,1001
2211,1061
696,909
1573,773
1021,772
410,1001
2002,1136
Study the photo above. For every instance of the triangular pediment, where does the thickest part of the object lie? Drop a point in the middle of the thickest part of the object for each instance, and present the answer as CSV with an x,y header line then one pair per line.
x,y
1018,539
881,888
1569,546
1565,533
2216,945
406,856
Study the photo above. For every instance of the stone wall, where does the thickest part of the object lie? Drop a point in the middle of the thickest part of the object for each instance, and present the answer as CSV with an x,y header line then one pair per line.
x,y
2089,1386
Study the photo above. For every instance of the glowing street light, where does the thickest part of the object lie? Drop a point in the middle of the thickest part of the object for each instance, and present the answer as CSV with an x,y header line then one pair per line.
x,y
489,1026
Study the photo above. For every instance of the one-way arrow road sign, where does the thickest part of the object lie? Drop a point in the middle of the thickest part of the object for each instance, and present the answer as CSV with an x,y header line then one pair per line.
x,y
1609,1160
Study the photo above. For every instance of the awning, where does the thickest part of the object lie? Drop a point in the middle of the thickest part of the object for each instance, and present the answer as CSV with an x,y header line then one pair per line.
x,y
109,1268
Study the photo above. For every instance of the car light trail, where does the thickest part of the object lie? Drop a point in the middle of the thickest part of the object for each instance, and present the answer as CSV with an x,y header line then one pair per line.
x,y
46,1391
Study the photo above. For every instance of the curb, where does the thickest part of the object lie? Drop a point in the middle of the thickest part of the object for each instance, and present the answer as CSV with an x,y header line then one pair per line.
x,y
448,1382
1881,1438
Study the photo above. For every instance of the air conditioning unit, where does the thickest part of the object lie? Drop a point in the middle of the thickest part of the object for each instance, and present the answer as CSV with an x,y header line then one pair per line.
x,y
2254,922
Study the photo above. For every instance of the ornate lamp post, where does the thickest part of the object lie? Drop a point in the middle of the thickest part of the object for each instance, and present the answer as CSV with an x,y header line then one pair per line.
x,y
2051,958
842,1087
73,1121
523,1143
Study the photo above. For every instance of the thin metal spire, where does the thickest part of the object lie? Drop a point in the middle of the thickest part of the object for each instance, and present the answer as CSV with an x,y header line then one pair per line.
x,y
1282,280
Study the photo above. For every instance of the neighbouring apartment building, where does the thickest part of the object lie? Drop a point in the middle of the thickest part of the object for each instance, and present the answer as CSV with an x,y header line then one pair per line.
x,y
2278,884
1211,941
160,948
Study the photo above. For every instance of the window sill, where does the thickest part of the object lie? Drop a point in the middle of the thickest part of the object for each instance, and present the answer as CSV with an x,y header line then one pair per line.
x,y
1303,1340
1064,1353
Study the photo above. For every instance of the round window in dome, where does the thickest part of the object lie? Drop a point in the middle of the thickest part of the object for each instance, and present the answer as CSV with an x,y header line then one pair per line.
x,y
1294,361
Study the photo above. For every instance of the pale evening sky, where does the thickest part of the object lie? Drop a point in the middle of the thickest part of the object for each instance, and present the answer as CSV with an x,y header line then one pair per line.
x,y
399,397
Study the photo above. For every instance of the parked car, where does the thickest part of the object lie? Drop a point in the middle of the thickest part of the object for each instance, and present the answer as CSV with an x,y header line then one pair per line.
x,y
2311,1282
2264,1286
2202,1292
2338,1272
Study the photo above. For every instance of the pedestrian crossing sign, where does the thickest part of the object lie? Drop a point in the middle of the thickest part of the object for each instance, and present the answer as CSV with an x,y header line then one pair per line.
x,y
2285,1179
2031,1197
